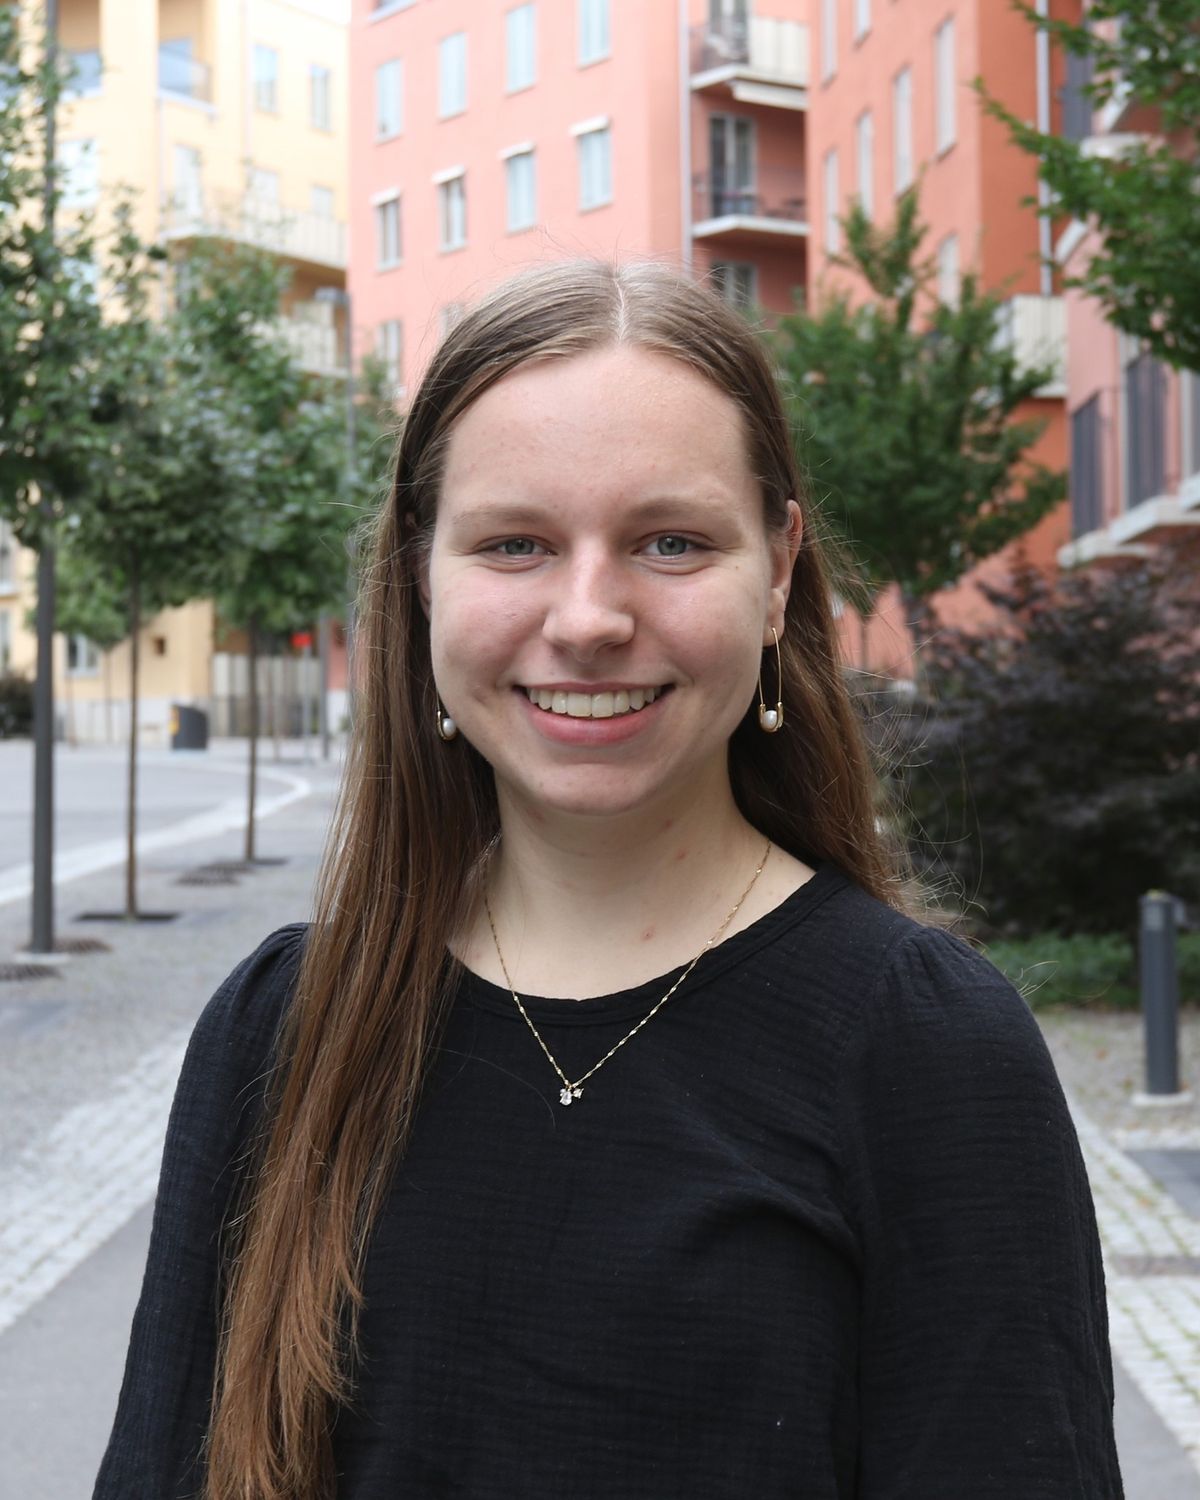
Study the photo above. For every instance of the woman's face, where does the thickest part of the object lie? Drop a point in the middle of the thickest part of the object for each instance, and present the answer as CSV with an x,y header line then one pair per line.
x,y
601,583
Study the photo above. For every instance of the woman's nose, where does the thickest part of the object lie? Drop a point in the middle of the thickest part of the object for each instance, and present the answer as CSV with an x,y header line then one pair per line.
x,y
590,609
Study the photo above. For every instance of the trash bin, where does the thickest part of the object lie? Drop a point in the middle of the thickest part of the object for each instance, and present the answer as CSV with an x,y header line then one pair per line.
x,y
189,728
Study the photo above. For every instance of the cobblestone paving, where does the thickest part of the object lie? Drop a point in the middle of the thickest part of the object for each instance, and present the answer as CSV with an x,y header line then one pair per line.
x,y
1151,1245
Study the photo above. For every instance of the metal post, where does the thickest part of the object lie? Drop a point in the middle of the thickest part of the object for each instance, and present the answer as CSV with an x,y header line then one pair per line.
x,y
42,916
1160,998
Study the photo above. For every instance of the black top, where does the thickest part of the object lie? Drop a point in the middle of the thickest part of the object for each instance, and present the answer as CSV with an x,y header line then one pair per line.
x,y
821,1229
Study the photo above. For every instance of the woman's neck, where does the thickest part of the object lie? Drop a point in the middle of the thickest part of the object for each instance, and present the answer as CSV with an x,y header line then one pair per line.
x,y
585,907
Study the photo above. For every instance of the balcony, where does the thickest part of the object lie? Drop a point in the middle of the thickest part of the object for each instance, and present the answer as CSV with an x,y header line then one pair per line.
x,y
312,343
180,76
1035,328
307,238
773,209
759,61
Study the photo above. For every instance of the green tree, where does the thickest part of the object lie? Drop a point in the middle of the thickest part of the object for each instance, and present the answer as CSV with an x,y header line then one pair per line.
x,y
906,408
1142,201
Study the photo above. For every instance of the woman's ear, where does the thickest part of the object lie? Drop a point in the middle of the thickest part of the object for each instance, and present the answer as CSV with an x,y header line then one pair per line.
x,y
785,547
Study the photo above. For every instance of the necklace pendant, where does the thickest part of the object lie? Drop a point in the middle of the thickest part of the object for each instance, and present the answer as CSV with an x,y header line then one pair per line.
x,y
565,1096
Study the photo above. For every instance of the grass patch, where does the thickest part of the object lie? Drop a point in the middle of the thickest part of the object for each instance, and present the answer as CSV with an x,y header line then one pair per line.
x,y
1086,971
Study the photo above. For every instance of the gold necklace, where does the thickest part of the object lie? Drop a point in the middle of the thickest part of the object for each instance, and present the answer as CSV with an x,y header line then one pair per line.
x,y
572,1091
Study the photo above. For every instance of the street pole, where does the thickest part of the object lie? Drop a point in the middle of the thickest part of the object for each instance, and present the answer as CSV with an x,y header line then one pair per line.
x,y
42,937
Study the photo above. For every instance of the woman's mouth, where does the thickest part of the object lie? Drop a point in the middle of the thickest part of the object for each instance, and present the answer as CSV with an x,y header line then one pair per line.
x,y
606,705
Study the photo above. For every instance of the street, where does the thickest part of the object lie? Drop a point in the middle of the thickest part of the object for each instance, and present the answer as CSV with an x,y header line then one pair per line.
x,y
88,1063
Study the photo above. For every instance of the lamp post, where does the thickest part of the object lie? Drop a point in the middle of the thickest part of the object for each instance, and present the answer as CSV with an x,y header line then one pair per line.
x,y
336,296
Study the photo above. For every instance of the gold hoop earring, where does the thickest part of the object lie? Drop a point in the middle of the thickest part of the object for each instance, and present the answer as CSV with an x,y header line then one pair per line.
x,y
770,720
446,727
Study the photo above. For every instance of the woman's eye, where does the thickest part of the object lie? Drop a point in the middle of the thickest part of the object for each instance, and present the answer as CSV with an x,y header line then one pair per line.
x,y
671,546
517,546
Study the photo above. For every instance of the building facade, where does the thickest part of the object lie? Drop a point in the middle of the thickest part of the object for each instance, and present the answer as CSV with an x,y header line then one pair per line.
x,y
226,117
487,135
893,106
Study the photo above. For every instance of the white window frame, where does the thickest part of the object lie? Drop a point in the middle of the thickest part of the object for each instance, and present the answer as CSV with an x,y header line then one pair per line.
x,y
949,270
266,78
864,159
520,188
831,193
321,201
902,132
593,145
862,19
829,39
381,203
594,25
452,75
187,170
389,99
452,208
520,47
86,653
736,283
389,345
320,96
945,122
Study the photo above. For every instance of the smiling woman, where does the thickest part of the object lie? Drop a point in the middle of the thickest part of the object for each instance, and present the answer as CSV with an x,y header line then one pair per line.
x,y
816,1221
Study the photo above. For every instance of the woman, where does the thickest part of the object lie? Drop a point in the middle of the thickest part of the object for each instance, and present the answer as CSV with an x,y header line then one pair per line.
x,y
613,1131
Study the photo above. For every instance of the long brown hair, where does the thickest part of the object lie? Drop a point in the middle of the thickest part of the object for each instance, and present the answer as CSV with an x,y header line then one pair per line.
x,y
414,823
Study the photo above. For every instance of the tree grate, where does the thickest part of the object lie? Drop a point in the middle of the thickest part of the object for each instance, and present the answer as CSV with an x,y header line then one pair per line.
x,y
207,877
81,945
11,973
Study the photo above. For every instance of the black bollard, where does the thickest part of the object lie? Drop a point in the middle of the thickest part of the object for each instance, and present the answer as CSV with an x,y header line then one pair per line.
x,y
1160,992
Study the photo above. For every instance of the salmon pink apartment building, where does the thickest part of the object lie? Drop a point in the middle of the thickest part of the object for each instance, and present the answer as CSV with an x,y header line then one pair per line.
x,y
488,134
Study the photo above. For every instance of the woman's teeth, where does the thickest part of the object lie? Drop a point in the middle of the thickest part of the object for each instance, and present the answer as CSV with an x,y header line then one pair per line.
x,y
593,705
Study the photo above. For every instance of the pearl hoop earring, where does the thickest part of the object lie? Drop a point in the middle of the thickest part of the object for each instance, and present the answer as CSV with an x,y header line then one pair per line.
x,y
770,720
446,727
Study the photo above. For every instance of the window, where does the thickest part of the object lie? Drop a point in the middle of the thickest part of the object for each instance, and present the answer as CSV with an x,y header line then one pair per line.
x,y
1076,120
5,640
320,97
595,40
449,316
1145,434
83,657
862,18
189,182
902,152
520,48
320,201
264,186
520,182
833,230
266,79
389,99
452,75
829,38
388,243
944,85
1087,495
736,282
731,152
864,154
79,172
947,270
8,558
390,348
1189,393
595,166
452,212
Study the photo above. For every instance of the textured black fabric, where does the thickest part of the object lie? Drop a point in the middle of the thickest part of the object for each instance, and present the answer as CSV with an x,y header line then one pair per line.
x,y
820,1230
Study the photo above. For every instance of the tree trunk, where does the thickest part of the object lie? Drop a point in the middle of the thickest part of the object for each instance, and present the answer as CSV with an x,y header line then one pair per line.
x,y
108,732
275,668
252,657
135,626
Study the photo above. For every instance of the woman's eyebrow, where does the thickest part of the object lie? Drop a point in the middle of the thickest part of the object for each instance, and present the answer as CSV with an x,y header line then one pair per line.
x,y
664,507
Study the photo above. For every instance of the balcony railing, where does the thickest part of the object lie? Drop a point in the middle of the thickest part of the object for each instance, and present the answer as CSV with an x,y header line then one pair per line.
x,y
1035,328
85,70
770,49
183,76
777,196
313,346
294,235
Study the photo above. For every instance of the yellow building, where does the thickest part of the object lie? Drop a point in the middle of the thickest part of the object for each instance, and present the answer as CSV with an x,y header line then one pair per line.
x,y
225,116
